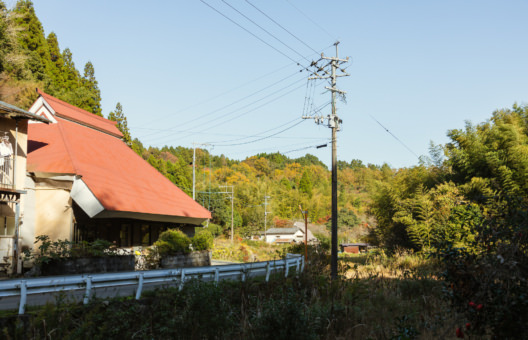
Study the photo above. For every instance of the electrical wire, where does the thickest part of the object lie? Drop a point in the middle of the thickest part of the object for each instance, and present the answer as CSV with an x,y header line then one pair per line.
x,y
252,136
254,35
262,28
263,132
259,139
290,33
236,110
232,103
315,23
254,109
402,143
305,148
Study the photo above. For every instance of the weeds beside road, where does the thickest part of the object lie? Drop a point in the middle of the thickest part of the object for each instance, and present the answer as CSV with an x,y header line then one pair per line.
x,y
309,306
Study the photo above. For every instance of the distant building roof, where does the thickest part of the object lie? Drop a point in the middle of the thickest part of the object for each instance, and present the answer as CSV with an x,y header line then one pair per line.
x,y
11,111
121,182
354,244
282,231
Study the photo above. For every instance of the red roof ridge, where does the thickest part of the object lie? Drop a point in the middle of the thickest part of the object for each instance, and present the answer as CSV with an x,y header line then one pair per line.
x,y
78,109
68,149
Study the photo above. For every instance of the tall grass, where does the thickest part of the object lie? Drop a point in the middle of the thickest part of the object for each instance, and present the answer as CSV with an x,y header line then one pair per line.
x,y
365,302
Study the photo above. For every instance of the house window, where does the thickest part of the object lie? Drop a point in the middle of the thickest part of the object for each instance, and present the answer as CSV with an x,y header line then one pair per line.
x,y
145,235
124,235
8,225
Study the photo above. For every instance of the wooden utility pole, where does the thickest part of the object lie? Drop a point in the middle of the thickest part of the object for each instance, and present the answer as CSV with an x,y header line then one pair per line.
x,y
266,212
334,123
232,205
305,214
194,165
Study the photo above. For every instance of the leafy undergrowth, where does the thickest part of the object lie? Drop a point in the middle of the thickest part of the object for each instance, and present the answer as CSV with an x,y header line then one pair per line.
x,y
241,250
306,306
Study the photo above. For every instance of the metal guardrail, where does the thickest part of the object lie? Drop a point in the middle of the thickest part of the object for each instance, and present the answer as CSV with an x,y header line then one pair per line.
x,y
89,282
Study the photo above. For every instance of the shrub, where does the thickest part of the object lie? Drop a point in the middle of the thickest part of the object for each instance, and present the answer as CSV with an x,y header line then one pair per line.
x,y
63,249
487,280
172,242
203,240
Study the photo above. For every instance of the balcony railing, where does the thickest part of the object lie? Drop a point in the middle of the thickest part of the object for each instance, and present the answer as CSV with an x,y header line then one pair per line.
x,y
7,173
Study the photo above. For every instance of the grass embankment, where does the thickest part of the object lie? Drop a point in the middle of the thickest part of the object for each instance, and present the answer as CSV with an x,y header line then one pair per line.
x,y
241,250
375,297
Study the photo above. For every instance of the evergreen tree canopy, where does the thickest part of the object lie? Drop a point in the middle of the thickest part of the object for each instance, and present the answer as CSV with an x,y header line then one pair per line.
x,y
118,116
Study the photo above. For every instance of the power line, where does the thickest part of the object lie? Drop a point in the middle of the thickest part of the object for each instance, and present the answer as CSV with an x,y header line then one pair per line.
x,y
257,140
239,109
254,35
402,143
256,135
262,28
305,148
231,90
315,23
234,102
263,132
275,148
256,108
290,33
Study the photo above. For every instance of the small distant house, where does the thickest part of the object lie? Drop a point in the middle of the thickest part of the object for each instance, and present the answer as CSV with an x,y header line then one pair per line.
x,y
354,248
294,234
85,183
13,152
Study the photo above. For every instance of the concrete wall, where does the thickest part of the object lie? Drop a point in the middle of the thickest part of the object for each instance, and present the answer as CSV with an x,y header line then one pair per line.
x,y
53,213
194,259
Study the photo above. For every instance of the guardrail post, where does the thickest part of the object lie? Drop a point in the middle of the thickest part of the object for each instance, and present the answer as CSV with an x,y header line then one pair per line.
x,y
23,297
286,267
216,275
140,285
243,273
268,271
182,278
88,290
298,265
303,260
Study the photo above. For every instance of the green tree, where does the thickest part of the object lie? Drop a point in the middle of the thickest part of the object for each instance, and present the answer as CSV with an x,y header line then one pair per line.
x,y
32,40
118,116
93,101
305,185
57,70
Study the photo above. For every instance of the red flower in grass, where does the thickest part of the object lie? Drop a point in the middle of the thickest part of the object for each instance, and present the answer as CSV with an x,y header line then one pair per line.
x,y
479,307
459,333
468,325
472,304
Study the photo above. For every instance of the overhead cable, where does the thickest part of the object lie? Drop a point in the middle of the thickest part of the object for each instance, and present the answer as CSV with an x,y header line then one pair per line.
x,y
254,35
262,28
402,143
290,33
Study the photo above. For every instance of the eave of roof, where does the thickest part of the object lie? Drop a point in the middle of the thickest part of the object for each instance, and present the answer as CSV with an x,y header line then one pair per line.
x,y
80,116
14,112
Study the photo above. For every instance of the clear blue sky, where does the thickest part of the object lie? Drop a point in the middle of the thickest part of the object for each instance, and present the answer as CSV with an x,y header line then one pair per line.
x,y
184,73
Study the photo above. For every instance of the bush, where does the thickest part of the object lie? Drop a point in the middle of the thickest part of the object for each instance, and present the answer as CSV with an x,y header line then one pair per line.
x,y
203,240
63,249
487,280
173,241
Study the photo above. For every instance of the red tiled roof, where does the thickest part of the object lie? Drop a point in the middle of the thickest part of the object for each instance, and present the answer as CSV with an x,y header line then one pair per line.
x,y
119,178
70,112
